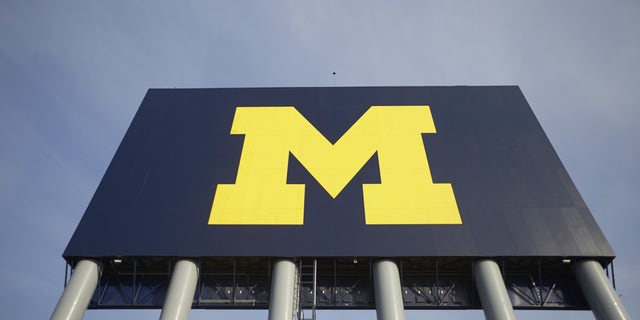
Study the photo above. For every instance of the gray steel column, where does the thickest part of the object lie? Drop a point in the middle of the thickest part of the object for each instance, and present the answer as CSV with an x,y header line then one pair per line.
x,y
492,291
182,288
77,295
388,291
602,299
283,280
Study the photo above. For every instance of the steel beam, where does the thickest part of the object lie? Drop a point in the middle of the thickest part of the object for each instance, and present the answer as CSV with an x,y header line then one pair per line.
x,y
388,291
601,296
283,281
182,288
492,291
76,296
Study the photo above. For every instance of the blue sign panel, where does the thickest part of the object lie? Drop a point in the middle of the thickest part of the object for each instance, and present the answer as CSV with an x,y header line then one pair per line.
x,y
337,172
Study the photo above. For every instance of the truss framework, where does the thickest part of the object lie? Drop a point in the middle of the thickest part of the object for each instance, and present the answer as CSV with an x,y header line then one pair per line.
x,y
340,283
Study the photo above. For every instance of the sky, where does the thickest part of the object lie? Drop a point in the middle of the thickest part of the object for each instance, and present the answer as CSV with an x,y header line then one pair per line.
x,y
72,75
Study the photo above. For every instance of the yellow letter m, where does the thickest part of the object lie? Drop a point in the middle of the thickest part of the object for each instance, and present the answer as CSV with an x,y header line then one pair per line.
x,y
406,194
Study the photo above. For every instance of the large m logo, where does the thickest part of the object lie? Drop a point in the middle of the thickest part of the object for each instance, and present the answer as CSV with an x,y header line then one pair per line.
x,y
406,194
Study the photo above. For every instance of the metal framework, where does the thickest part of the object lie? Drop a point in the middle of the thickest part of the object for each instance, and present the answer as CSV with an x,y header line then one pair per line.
x,y
340,283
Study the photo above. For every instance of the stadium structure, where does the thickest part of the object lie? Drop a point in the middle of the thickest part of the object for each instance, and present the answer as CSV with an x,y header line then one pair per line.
x,y
300,199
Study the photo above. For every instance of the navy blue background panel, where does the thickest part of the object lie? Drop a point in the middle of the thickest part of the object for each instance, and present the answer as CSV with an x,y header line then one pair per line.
x,y
514,196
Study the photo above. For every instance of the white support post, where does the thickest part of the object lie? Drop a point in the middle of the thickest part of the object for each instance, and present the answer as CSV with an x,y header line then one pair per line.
x,y
492,291
182,288
76,296
601,296
283,279
388,291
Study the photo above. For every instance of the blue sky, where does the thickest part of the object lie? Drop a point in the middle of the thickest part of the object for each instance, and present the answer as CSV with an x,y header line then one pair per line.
x,y
72,75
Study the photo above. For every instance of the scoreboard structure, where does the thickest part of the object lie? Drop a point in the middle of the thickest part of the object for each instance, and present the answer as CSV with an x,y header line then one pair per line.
x,y
298,199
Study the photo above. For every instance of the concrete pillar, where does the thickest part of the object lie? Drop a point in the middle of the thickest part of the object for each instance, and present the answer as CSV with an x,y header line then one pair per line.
x,y
601,296
283,279
492,291
77,295
182,288
388,290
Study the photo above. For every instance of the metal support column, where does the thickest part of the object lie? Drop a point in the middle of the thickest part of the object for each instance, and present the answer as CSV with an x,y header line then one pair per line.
x,y
77,295
182,288
388,291
492,291
283,280
601,296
